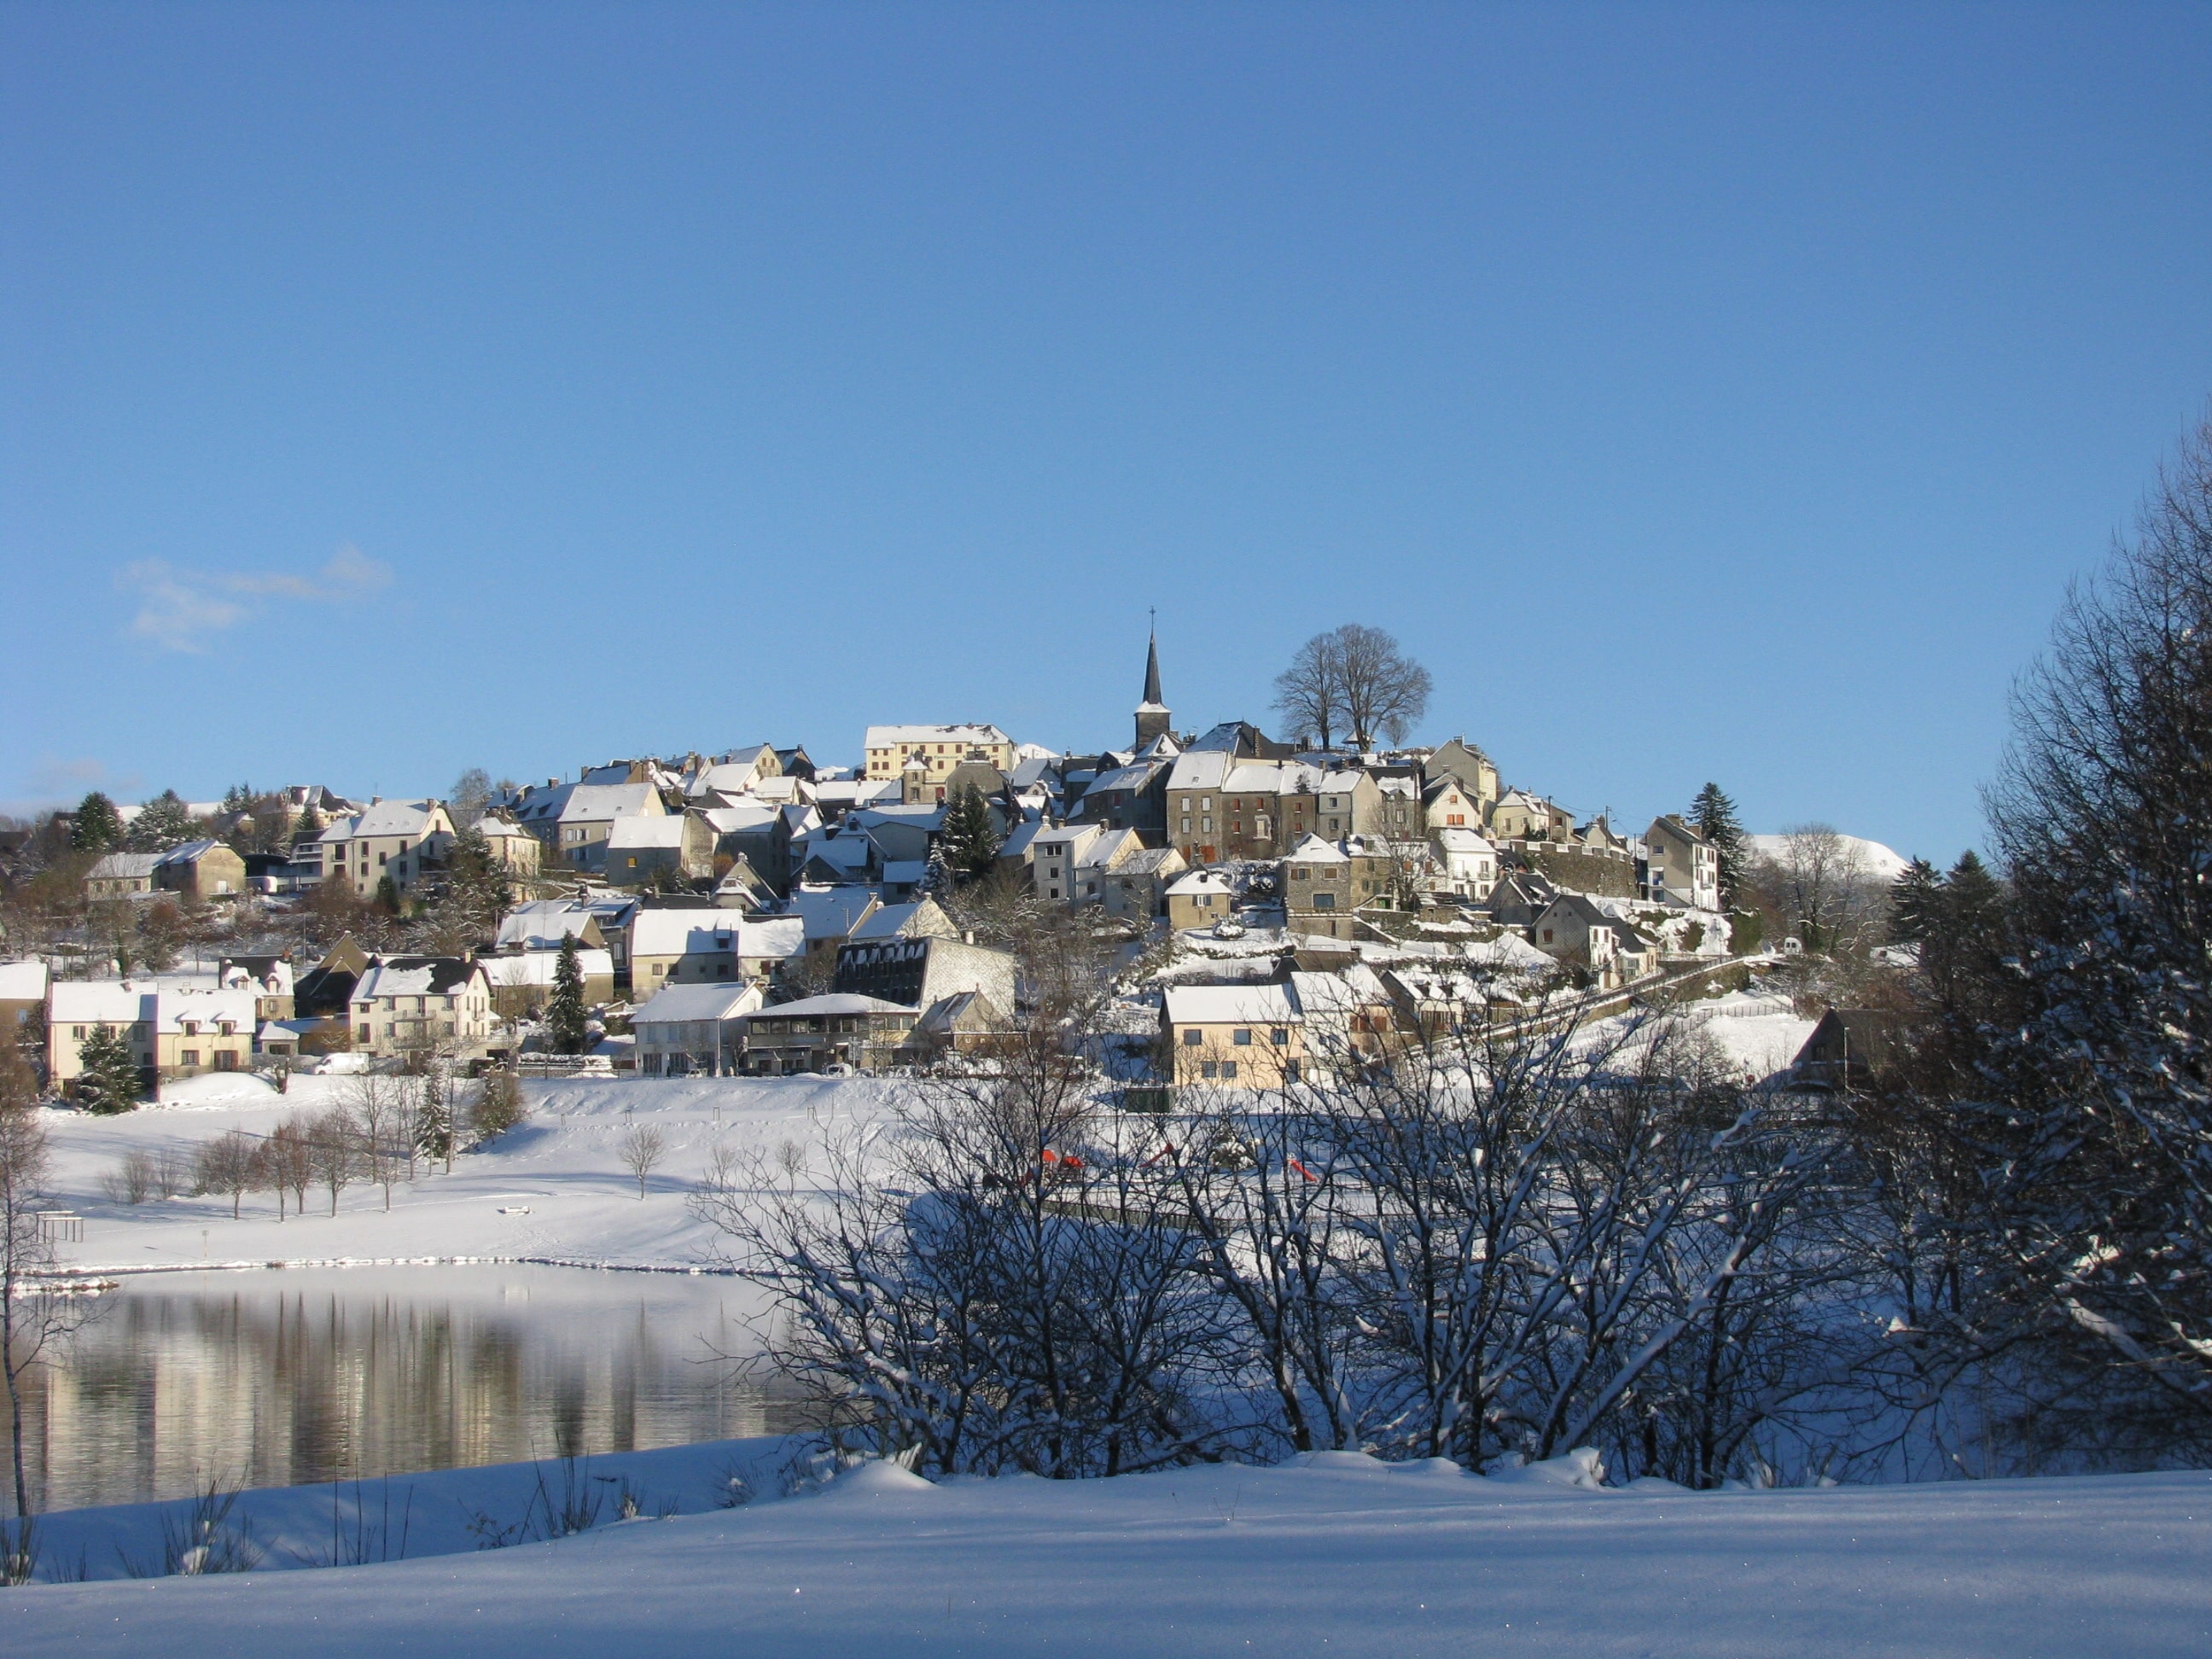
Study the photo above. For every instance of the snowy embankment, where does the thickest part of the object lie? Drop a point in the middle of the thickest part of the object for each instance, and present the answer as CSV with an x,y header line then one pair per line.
x,y
1337,1554
554,1190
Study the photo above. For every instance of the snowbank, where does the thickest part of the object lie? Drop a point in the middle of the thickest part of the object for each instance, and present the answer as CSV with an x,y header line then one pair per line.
x,y
1337,1555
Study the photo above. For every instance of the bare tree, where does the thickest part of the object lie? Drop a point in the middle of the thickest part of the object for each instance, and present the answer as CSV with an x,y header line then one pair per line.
x,y
231,1163
382,1111
287,1164
334,1152
1309,693
1385,691
1819,882
1355,680
470,797
641,1151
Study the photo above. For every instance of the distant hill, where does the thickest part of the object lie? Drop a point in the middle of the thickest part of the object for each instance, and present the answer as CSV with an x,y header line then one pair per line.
x,y
1881,863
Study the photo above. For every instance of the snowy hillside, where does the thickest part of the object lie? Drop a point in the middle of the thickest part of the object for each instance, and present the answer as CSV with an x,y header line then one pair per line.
x,y
1881,863
1341,1555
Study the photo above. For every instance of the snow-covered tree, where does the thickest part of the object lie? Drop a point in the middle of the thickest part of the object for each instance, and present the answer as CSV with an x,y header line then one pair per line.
x,y
567,1027
970,842
99,826
162,823
109,1082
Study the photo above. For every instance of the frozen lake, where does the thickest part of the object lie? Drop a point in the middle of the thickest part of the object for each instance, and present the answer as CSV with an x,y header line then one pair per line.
x,y
273,1377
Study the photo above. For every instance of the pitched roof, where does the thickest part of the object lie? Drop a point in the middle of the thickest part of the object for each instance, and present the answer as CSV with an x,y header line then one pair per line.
x,y
1266,1002
840,1002
125,867
412,976
682,1004
541,922
710,932
887,737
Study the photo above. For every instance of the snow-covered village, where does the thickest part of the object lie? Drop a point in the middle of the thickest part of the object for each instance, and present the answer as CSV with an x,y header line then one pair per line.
x,y
1130,831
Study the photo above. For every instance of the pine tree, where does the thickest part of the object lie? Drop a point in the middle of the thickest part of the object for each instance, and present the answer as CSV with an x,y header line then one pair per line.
x,y
566,1027
433,1118
110,1082
1914,899
99,826
971,842
1712,815
162,823
499,1107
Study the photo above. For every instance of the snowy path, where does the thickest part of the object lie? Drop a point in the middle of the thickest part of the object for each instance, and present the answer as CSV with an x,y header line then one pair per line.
x,y
1347,1557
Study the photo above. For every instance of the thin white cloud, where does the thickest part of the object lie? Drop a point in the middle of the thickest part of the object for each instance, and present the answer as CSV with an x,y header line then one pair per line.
x,y
181,610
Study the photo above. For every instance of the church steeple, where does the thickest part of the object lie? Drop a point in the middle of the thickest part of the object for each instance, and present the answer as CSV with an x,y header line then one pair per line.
x,y
1152,715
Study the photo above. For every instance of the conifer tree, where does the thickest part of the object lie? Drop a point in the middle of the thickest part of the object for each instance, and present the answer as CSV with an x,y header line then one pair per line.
x,y
1914,899
971,842
566,1026
99,826
162,823
109,1083
1712,815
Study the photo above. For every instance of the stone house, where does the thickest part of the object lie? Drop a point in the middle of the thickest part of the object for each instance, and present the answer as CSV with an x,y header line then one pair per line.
x,y
1137,886
1573,930
643,849
919,972
1200,899
200,869
1318,889
1465,765
121,875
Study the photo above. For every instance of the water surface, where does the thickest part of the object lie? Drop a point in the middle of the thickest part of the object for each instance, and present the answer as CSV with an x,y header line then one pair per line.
x,y
273,1377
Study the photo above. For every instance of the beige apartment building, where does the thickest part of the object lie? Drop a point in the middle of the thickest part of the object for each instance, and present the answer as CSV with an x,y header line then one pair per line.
x,y
939,749
363,848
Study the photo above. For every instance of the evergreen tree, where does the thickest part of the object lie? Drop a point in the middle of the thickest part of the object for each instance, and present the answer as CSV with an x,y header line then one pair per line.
x,y
477,891
162,823
499,1107
1712,815
110,1082
970,842
433,1118
566,1027
99,827
1914,897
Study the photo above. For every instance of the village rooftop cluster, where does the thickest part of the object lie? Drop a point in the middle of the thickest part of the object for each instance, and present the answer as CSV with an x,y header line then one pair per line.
x,y
759,912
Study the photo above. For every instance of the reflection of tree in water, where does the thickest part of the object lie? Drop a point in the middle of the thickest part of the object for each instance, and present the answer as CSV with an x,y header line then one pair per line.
x,y
277,1385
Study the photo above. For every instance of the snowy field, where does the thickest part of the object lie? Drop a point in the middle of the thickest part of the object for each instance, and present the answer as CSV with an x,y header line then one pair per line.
x,y
1339,1555
554,1190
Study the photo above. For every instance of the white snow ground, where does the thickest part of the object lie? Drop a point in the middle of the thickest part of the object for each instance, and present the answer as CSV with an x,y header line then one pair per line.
x,y
1339,1555
554,1190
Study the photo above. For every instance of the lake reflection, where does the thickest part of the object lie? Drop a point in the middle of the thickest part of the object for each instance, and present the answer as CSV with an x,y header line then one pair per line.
x,y
276,1378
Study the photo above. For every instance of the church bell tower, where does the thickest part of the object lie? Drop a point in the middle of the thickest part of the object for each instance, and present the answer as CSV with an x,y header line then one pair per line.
x,y
1152,716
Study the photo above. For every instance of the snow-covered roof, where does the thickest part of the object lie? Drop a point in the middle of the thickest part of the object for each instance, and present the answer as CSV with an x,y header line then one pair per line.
x,y
1131,777
710,932
835,1003
888,737
1322,994
646,834
535,968
541,922
190,852
100,1002
1312,849
1263,1004
1199,768
23,981
413,976
676,1005
125,867
205,1007
595,803
905,872
1201,881
831,911
412,818
1103,852
1462,842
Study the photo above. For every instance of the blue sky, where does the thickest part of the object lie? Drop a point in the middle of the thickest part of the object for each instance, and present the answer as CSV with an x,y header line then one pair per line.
x,y
1701,392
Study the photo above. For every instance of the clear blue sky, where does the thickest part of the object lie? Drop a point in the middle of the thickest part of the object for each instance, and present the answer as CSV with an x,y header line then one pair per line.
x,y
1701,392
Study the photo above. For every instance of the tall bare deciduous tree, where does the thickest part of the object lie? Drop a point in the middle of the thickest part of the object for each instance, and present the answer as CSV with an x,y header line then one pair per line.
x,y
1353,680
